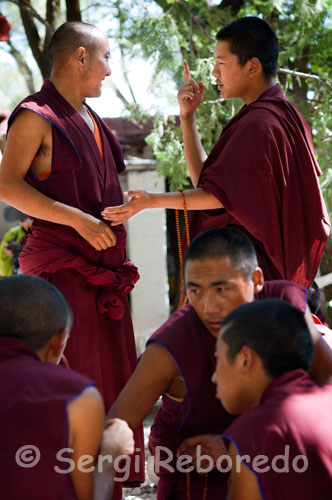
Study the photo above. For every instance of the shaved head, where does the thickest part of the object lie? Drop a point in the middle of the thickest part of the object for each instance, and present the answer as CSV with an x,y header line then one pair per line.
x,y
72,35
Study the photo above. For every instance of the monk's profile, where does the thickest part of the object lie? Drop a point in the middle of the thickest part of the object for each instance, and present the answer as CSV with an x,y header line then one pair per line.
x,y
261,176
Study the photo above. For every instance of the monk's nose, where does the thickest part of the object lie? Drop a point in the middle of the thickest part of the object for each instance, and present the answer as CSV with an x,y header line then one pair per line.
x,y
209,304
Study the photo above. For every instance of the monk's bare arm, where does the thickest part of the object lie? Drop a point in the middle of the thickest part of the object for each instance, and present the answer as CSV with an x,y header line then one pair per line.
x,y
153,375
86,422
196,199
190,96
25,137
321,367
243,482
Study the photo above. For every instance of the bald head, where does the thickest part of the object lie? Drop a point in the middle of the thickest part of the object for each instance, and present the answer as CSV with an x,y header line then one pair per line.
x,y
70,36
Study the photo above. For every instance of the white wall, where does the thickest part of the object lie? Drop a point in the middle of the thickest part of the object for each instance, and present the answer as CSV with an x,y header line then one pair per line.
x,y
147,250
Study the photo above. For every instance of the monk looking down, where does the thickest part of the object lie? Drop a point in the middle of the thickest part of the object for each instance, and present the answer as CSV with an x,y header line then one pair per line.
x,y
47,410
284,434
60,167
221,274
261,176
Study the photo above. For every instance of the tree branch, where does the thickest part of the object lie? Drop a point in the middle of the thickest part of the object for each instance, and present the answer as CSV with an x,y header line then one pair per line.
x,y
24,5
299,74
23,67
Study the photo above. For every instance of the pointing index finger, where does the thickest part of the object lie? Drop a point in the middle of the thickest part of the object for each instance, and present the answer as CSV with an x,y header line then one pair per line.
x,y
186,70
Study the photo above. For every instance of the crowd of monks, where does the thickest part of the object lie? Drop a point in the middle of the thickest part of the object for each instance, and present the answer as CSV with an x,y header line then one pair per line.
x,y
242,370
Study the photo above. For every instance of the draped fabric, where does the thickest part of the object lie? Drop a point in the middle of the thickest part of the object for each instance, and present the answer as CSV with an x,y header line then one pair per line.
x,y
264,172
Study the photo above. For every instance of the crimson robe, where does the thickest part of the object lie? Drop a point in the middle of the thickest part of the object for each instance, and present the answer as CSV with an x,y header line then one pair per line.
x,y
33,400
293,412
96,283
193,347
263,171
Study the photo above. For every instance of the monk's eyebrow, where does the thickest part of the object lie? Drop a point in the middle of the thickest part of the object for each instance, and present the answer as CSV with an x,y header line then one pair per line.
x,y
220,282
191,283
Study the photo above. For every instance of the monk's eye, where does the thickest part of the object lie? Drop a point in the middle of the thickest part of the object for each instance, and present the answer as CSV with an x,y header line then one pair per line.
x,y
194,291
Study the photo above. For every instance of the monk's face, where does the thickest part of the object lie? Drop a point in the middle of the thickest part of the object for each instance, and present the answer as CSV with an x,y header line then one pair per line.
x,y
215,288
233,79
230,379
98,67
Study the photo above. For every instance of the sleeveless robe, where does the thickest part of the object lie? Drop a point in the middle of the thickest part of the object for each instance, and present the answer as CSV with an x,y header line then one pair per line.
x,y
193,348
96,283
296,412
264,172
33,400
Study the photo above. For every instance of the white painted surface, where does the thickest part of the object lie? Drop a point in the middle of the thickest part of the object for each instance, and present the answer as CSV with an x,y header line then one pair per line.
x,y
147,250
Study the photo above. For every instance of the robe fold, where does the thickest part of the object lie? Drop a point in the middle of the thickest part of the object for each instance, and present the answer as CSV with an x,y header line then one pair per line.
x,y
264,172
193,347
294,412
96,283
33,401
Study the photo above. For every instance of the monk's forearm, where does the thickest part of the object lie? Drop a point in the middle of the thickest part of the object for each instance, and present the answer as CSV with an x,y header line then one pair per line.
x,y
104,481
193,149
196,199
28,200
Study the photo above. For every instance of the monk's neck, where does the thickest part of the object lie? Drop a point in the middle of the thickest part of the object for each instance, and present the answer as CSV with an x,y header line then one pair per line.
x,y
69,91
258,89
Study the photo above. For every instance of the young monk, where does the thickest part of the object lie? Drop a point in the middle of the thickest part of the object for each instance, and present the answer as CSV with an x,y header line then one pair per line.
x,y
60,166
284,435
261,176
48,411
221,273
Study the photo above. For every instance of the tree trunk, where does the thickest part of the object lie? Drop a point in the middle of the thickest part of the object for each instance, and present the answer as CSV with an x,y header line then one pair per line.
x,y
73,10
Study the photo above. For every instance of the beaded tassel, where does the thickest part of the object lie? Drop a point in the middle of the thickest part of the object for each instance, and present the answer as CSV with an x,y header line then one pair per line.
x,y
183,299
188,487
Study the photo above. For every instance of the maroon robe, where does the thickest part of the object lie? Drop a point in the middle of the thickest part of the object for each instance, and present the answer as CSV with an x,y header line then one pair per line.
x,y
296,412
264,173
33,401
193,348
96,283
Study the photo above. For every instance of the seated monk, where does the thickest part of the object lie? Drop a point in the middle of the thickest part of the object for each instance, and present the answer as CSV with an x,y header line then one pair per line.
x,y
51,418
221,273
281,445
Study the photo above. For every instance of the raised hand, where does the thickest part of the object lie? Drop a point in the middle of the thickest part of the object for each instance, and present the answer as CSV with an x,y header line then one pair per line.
x,y
95,231
117,215
190,94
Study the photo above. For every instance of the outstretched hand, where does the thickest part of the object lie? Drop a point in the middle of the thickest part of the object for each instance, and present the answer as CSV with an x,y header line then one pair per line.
x,y
119,214
211,445
190,94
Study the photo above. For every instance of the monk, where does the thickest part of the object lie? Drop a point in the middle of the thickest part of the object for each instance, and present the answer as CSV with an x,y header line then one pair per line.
x,y
60,167
48,409
281,445
261,176
221,273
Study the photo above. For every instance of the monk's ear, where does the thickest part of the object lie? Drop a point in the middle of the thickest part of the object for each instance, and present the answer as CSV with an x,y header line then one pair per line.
x,y
258,280
55,347
80,57
254,67
246,359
